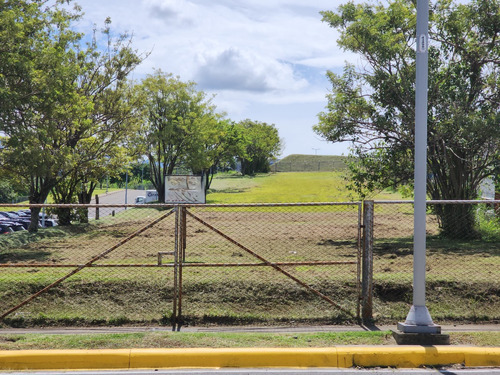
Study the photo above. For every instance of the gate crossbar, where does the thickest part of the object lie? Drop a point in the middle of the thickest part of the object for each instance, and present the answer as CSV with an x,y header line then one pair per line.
x,y
268,263
88,264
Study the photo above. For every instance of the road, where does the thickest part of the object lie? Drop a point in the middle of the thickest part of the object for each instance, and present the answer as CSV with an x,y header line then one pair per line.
x,y
115,197
118,197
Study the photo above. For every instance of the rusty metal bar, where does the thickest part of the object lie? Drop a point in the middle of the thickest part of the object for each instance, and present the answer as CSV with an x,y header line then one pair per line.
x,y
161,254
488,201
276,267
181,258
139,265
170,206
231,205
292,264
104,205
183,228
79,268
176,269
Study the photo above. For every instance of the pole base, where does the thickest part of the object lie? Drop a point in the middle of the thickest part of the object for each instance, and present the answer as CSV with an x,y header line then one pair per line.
x,y
421,338
430,329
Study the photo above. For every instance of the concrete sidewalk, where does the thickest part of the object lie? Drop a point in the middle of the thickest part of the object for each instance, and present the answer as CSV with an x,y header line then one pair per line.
x,y
263,329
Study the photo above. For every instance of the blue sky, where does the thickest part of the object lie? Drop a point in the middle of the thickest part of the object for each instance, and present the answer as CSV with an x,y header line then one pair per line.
x,y
263,59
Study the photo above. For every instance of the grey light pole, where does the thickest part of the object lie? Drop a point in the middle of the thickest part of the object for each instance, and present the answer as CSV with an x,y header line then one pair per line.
x,y
419,320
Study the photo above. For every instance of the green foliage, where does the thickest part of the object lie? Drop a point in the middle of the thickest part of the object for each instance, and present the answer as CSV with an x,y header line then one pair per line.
x,y
262,144
39,101
7,193
64,108
374,107
179,126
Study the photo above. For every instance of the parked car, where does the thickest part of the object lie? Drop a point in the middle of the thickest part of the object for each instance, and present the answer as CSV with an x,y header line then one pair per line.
x,y
5,229
13,217
15,225
9,215
49,223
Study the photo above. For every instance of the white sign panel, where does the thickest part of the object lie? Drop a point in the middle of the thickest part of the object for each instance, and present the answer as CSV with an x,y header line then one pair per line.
x,y
184,189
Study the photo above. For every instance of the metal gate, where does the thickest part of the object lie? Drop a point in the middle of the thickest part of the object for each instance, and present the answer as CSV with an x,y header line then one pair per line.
x,y
228,261
307,255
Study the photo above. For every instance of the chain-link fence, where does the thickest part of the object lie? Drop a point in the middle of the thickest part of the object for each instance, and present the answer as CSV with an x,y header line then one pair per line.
x,y
184,264
462,264
245,264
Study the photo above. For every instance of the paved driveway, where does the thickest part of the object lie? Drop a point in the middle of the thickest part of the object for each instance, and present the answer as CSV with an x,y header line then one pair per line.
x,y
115,197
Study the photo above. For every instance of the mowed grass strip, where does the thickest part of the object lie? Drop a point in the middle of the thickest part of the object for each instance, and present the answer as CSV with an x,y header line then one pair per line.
x,y
190,340
220,340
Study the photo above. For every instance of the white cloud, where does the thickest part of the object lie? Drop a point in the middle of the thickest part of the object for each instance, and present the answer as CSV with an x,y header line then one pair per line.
x,y
233,69
253,55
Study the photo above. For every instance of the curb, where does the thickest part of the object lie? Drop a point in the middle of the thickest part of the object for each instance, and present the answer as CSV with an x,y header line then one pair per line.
x,y
341,357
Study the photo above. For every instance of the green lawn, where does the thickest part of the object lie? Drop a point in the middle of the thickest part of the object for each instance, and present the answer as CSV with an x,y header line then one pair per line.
x,y
221,340
286,187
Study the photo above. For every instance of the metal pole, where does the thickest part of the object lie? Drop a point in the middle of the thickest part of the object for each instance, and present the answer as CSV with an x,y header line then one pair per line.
x,y
419,319
367,280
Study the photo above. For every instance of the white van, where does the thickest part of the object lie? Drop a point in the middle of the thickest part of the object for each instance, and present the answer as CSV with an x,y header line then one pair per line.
x,y
151,196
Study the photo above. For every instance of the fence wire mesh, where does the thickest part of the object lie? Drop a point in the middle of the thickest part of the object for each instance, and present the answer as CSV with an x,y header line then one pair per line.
x,y
136,264
462,264
237,264
105,270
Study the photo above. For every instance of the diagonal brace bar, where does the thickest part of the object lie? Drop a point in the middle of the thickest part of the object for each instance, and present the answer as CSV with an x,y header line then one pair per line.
x,y
88,264
273,265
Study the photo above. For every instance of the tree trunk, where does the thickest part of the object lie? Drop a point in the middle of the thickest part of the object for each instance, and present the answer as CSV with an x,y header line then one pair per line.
x,y
457,221
35,212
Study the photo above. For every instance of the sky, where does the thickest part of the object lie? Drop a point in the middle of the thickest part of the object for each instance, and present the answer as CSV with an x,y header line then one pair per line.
x,y
265,60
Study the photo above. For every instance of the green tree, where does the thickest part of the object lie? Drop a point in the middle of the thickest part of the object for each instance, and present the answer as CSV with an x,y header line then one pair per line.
x,y
176,118
7,193
64,110
374,107
98,145
221,142
39,100
262,144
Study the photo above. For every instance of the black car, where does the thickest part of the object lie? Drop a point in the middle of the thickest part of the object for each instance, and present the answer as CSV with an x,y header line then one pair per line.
x,y
5,229
14,225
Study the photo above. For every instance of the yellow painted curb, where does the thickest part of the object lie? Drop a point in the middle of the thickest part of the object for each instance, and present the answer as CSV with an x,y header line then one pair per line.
x,y
233,357
342,356
64,359
482,357
400,356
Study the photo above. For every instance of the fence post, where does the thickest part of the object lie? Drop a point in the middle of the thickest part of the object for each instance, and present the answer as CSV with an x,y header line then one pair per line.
x,y
367,269
176,269
97,208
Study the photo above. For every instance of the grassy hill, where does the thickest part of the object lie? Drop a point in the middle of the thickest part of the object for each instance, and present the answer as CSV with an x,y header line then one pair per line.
x,y
310,163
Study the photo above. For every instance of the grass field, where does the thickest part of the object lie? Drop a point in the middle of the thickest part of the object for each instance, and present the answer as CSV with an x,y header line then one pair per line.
x,y
463,275
287,187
